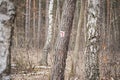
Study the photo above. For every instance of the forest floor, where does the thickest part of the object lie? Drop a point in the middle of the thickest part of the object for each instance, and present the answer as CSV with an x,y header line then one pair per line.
x,y
25,65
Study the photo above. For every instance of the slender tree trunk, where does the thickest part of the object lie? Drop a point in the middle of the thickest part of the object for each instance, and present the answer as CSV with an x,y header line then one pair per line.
x,y
45,49
7,11
59,7
92,41
27,20
39,25
34,23
49,22
63,40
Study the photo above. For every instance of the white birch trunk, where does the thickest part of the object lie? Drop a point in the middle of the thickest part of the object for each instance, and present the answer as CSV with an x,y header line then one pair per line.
x,y
49,34
92,41
7,11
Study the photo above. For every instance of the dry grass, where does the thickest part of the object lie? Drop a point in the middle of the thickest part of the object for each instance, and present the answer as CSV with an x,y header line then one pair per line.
x,y
26,65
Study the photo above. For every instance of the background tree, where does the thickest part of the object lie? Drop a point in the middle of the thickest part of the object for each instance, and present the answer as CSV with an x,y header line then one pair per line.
x,y
39,23
27,24
49,22
109,52
34,24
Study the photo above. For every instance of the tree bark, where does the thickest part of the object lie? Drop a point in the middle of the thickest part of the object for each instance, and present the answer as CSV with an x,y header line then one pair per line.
x,y
63,40
92,41
7,11
56,21
49,24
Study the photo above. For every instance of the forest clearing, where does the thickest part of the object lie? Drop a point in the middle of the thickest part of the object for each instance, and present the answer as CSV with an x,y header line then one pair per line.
x,y
59,39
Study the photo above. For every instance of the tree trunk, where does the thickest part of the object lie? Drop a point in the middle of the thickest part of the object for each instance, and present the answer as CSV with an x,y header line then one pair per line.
x,y
27,20
49,22
59,7
7,11
63,40
34,23
92,41
74,26
56,21
39,25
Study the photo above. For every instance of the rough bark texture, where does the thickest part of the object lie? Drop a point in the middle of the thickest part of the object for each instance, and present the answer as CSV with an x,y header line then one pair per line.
x,y
63,40
7,11
92,41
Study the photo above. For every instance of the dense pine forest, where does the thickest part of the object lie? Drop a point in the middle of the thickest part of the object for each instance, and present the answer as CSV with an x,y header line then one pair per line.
x,y
59,39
